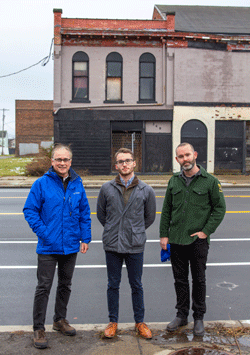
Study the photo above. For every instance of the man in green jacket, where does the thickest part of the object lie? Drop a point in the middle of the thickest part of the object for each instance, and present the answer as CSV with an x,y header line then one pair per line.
x,y
193,208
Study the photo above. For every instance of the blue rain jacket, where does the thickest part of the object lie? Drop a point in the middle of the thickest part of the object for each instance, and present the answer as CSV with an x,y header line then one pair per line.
x,y
60,219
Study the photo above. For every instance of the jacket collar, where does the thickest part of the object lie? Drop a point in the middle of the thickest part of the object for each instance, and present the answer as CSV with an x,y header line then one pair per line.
x,y
134,182
203,172
72,173
140,183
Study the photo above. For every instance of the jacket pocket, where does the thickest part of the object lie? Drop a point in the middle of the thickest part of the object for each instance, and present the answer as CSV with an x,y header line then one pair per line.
x,y
177,197
45,240
138,237
200,197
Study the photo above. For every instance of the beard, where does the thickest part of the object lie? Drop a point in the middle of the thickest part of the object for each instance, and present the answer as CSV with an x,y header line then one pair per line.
x,y
125,173
189,166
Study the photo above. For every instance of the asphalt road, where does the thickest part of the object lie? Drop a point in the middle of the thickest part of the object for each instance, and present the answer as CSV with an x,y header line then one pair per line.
x,y
227,273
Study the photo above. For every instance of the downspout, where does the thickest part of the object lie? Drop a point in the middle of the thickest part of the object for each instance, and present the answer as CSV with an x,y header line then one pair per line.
x,y
164,79
244,148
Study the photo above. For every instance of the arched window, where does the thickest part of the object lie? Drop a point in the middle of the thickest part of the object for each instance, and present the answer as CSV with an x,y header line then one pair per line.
x,y
80,77
147,78
195,132
113,77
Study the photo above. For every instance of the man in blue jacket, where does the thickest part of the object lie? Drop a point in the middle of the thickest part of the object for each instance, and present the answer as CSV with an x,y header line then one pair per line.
x,y
57,210
126,207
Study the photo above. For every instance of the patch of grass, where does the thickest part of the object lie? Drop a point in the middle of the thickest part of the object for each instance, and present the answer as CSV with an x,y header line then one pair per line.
x,y
14,166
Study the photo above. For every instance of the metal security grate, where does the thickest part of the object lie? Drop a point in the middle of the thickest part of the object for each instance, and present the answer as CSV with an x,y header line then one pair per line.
x,y
130,140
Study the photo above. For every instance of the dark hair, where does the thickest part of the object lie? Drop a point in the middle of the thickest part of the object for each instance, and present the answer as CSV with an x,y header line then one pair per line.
x,y
124,150
59,146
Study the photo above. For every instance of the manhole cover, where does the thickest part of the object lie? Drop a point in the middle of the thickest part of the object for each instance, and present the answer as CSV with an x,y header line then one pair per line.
x,y
200,351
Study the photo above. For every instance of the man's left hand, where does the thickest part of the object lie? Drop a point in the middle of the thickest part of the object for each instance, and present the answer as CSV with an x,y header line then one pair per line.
x,y
84,248
200,235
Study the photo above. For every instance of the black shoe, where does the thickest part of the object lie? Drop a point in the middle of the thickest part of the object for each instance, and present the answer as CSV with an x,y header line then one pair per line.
x,y
176,323
40,340
199,327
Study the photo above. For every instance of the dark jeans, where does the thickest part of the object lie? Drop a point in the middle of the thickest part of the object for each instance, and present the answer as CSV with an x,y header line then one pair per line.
x,y
195,254
45,274
134,265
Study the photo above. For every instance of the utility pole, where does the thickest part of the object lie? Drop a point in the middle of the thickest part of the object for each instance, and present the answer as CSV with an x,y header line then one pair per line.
x,y
3,109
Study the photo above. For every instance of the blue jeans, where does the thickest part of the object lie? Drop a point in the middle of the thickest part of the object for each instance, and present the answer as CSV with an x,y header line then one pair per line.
x,y
194,254
134,265
45,275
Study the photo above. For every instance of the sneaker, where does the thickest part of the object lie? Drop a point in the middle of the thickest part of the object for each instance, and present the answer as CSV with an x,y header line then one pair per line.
x,y
110,330
63,326
40,340
143,330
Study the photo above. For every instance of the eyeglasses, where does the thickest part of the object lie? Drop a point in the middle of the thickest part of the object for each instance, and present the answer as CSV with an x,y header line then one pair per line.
x,y
59,160
127,161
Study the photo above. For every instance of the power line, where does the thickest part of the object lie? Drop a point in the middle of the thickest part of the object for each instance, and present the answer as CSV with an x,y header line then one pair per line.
x,y
44,61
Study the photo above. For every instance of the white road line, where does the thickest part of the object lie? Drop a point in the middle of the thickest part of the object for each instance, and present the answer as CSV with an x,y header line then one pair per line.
x,y
12,267
148,241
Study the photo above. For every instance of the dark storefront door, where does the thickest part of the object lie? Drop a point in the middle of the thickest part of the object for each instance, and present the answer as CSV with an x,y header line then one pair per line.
x,y
130,140
195,133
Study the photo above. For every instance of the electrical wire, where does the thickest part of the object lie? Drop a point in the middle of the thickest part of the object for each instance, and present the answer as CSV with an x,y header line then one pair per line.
x,y
44,61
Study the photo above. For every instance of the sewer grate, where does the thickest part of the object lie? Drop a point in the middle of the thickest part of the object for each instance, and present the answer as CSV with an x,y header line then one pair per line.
x,y
200,351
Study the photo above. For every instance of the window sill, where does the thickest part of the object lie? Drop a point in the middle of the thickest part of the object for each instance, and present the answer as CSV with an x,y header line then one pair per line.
x,y
113,102
147,102
84,101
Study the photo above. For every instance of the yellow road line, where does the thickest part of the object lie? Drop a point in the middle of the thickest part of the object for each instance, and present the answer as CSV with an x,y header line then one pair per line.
x,y
228,196
237,211
11,214
241,196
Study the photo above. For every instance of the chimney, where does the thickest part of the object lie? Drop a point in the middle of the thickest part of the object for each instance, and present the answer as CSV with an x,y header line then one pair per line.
x,y
170,19
57,26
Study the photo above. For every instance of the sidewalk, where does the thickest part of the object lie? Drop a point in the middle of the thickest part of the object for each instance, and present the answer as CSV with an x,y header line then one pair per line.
x,y
221,338
97,181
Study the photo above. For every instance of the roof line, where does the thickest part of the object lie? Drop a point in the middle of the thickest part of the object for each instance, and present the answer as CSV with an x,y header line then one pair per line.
x,y
156,7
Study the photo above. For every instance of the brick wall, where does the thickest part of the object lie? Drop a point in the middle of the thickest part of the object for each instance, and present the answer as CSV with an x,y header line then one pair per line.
x,y
34,122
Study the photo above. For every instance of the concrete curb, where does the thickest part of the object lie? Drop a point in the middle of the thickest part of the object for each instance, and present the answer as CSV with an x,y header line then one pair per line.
x,y
126,326
12,183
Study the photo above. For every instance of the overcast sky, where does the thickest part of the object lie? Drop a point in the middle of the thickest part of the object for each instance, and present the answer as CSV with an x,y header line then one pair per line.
x,y
26,31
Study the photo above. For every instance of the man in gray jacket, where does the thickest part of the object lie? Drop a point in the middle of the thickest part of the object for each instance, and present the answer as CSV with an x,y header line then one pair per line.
x,y
126,207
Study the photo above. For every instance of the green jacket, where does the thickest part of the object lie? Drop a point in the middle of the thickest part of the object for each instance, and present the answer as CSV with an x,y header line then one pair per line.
x,y
189,209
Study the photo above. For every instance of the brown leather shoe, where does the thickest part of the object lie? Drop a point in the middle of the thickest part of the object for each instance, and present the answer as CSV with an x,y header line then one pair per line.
x,y
110,330
143,330
63,326
40,340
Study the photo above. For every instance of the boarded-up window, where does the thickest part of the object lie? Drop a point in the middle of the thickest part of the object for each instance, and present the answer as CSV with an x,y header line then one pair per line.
x,y
114,89
229,146
114,77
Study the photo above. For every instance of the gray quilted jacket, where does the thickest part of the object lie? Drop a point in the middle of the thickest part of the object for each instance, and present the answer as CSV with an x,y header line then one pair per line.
x,y
124,226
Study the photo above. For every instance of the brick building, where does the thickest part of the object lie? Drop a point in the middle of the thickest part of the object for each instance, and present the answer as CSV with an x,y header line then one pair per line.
x,y
150,84
34,125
